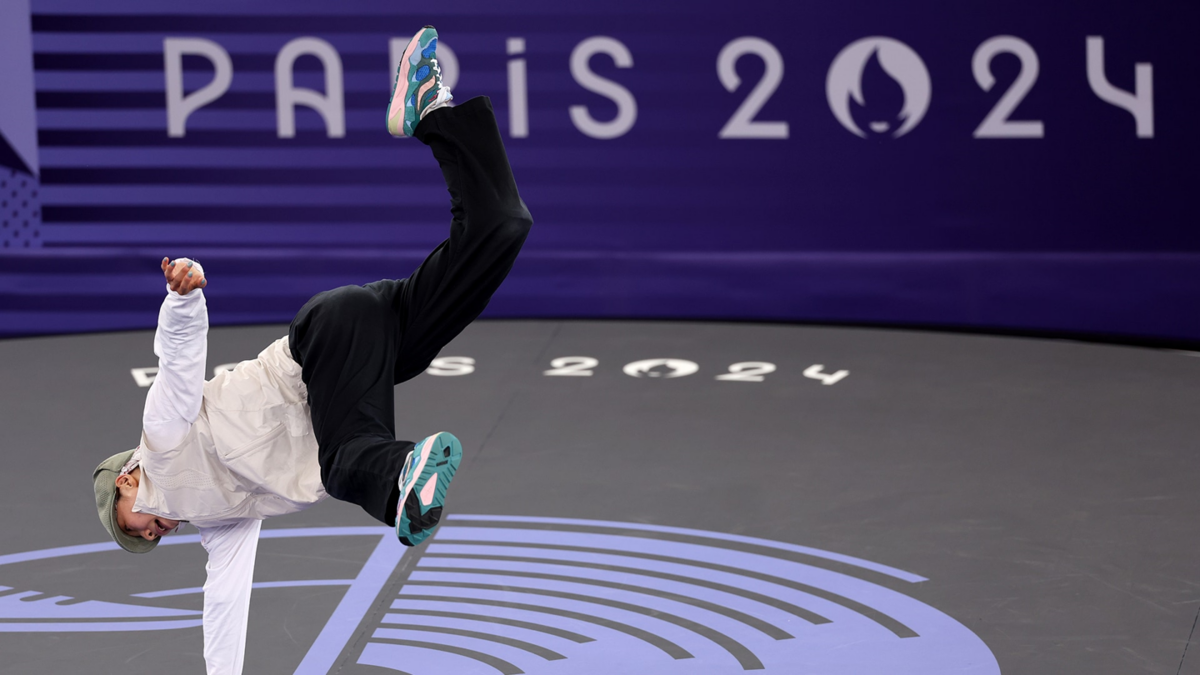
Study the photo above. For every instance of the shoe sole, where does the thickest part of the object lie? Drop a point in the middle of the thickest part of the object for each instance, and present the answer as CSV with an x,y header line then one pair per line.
x,y
397,110
424,482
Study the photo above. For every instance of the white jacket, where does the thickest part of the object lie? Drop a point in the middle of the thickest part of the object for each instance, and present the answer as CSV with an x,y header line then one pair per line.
x,y
223,455
250,453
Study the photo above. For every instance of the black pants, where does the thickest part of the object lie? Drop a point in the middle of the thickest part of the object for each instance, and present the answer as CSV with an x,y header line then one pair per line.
x,y
355,343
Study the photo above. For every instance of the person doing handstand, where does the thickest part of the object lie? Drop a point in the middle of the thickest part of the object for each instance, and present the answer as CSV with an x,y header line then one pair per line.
x,y
313,415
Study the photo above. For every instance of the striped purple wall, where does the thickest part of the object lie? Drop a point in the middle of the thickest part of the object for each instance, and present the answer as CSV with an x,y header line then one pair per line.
x,y
1089,229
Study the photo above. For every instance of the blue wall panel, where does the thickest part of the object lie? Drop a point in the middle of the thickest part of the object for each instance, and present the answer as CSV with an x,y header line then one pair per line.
x,y
1089,226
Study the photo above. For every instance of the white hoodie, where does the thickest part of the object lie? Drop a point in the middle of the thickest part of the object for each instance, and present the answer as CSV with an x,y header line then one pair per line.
x,y
223,455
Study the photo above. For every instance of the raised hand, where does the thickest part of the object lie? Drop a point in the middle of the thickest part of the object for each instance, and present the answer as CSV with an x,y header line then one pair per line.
x,y
183,275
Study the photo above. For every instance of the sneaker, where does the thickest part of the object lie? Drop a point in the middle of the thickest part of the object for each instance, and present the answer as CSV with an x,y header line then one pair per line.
x,y
419,84
424,480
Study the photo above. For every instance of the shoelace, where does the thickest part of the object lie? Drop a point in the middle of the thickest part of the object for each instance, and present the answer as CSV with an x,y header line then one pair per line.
x,y
441,88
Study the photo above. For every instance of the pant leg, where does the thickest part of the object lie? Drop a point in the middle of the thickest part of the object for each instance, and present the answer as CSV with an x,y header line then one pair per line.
x,y
355,343
345,342
489,225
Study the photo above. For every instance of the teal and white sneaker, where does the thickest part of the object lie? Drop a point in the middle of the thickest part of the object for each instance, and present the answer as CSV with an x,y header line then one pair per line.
x,y
418,83
423,484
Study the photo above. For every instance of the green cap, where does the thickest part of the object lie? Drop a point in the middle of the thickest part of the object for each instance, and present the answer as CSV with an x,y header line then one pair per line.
x,y
105,480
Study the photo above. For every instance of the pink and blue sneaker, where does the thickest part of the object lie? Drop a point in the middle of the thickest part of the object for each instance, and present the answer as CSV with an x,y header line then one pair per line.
x,y
423,483
418,83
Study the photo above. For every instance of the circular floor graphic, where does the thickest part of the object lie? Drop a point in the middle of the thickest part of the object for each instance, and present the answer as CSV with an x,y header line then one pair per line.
x,y
661,497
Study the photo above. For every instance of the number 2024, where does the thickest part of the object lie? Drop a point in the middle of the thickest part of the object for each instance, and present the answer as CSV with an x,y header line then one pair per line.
x,y
584,366
997,124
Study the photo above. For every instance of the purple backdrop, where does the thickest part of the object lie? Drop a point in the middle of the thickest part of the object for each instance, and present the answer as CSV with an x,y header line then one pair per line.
x,y
911,162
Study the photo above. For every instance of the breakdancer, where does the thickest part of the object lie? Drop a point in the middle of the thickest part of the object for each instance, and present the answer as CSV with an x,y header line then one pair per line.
x,y
312,415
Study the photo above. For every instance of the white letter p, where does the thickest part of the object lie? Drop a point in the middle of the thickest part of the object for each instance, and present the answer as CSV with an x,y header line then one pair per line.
x,y
179,107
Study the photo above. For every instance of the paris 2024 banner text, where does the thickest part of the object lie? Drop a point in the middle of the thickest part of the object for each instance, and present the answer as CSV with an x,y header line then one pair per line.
x,y
995,165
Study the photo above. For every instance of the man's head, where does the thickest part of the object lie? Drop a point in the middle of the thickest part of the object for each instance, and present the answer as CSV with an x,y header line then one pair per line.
x,y
133,523
116,491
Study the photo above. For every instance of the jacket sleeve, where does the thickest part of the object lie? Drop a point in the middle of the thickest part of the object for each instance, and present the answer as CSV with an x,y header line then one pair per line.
x,y
231,553
181,345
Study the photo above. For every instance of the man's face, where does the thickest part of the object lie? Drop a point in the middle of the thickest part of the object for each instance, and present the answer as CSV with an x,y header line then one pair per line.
x,y
134,524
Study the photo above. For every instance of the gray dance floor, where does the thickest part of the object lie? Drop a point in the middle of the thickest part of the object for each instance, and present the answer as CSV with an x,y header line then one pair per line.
x,y
661,498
